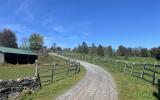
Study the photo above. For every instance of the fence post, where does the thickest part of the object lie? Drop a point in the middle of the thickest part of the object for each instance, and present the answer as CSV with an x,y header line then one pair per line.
x,y
144,67
125,67
36,68
132,68
53,68
78,67
37,73
154,73
116,64
69,66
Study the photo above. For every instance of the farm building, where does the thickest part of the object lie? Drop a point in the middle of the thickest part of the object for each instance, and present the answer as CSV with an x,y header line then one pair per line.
x,y
17,56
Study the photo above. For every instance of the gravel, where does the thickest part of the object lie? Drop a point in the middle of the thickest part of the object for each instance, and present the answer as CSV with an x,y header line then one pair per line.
x,y
97,84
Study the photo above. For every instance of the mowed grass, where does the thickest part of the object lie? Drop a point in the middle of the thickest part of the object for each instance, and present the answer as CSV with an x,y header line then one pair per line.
x,y
61,72
132,88
138,59
9,71
16,71
50,90
129,87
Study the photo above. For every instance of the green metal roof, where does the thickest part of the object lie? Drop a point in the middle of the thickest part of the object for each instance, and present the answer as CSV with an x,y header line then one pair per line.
x,y
16,51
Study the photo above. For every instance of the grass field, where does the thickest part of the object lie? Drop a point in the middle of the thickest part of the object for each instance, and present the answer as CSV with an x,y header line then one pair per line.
x,y
9,71
50,90
129,87
138,59
16,71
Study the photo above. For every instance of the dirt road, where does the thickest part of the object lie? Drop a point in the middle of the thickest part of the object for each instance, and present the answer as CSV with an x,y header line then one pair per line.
x,y
97,84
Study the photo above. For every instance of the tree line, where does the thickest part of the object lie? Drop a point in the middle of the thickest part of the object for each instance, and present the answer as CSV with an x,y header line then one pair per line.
x,y
108,51
8,39
35,42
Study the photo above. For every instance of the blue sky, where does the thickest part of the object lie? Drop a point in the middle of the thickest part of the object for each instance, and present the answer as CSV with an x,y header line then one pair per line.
x,y
131,23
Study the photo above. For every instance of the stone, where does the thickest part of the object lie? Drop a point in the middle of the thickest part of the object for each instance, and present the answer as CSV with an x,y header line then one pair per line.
x,y
4,89
11,88
18,79
13,95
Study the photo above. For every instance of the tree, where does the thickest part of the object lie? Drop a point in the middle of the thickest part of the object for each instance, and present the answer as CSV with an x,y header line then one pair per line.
x,y
144,52
108,51
67,50
100,50
84,48
74,49
24,43
154,51
36,41
79,49
54,47
93,50
8,39
121,50
128,52
59,49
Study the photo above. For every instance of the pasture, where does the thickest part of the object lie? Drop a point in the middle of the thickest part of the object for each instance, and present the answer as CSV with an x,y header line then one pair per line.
x,y
49,90
130,87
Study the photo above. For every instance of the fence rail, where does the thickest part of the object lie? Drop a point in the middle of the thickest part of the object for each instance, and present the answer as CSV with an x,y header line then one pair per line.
x,y
138,69
49,74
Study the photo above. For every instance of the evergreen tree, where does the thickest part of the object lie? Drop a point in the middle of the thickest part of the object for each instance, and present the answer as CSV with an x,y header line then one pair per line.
x,y
84,48
93,50
100,51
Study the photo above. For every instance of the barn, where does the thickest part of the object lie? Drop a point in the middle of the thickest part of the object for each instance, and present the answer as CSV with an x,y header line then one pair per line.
x,y
16,56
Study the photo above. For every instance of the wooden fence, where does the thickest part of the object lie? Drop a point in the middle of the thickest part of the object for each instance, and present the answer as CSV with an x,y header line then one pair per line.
x,y
146,71
48,72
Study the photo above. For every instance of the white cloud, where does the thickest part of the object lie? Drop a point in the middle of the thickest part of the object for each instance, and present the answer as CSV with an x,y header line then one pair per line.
x,y
24,8
73,37
85,35
71,27
49,38
59,29
48,21
16,27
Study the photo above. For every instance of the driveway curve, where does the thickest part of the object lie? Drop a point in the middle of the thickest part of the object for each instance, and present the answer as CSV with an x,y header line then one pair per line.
x,y
97,84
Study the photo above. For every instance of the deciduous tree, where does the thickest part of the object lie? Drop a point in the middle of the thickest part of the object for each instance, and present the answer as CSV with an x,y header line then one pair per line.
x,y
36,41
8,39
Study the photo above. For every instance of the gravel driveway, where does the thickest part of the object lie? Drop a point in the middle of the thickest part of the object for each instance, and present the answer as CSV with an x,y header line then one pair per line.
x,y
97,84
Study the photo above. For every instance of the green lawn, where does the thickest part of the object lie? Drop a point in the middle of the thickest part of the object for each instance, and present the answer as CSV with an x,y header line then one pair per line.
x,y
129,87
132,88
16,71
9,71
49,90
138,59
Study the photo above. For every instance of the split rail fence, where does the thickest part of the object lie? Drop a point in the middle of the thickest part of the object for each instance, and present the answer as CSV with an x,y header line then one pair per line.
x,y
146,71
47,73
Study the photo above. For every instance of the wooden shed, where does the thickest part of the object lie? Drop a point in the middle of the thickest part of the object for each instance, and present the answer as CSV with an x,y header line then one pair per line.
x,y
17,56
